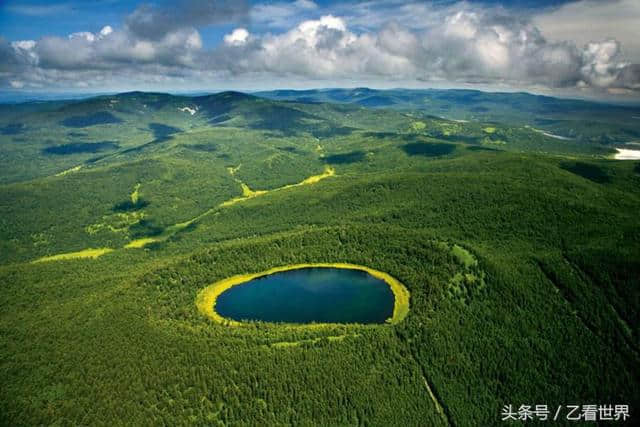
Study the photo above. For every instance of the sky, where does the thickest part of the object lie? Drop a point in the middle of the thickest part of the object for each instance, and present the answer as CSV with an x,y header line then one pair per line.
x,y
579,48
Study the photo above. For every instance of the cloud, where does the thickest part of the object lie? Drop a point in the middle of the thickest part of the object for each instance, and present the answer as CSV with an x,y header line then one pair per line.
x,y
599,68
469,45
100,59
239,36
109,49
281,14
372,15
317,49
460,43
153,23
629,77
39,10
106,30
591,20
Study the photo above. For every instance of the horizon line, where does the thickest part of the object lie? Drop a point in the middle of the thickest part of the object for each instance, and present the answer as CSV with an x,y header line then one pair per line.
x,y
58,95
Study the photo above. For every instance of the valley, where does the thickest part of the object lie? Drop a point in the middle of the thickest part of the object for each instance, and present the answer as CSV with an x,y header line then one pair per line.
x,y
508,233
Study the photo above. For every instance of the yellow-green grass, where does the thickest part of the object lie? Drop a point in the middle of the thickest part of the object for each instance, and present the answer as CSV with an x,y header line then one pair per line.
x,y
168,232
140,243
489,129
86,253
68,171
115,223
418,126
248,193
328,171
232,170
493,141
206,298
135,196
464,256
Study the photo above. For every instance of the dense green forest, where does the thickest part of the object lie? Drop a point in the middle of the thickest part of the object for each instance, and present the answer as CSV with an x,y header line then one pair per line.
x,y
521,252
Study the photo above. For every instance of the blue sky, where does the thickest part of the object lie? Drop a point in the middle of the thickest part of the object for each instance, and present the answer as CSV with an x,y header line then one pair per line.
x,y
584,47
21,20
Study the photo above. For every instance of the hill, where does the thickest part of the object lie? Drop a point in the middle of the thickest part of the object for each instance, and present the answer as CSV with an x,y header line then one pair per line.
x,y
578,119
520,251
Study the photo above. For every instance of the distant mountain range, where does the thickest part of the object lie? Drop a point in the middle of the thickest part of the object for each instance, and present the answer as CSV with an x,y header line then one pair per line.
x,y
454,103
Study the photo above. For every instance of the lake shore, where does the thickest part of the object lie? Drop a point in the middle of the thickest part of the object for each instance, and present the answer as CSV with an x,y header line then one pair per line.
x,y
206,298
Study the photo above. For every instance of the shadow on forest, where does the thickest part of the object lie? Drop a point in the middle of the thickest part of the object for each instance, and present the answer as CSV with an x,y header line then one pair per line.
x,y
345,158
208,148
482,148
99,118
129,206
145,228
13,129
328,130
545,122
428,149
282,119
80,147
162,131
480,109
289,149
588,171
77,134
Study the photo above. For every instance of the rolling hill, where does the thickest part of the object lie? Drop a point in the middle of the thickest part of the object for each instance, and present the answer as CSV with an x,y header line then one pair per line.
x,y
571,118
520,250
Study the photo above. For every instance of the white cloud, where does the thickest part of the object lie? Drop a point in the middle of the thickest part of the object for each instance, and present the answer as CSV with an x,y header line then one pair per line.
x,y
592,20
460,44
600,68
239,36
470,45
90,37
24,44
462,25
106,30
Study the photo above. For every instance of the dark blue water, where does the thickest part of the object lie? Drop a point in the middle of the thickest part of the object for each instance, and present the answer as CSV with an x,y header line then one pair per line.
x,y
322,295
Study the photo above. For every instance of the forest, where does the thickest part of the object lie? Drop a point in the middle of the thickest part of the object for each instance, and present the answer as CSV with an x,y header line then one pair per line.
x,y
520,251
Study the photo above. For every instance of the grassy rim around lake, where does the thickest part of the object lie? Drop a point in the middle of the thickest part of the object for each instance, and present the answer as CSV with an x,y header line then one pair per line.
x,y
206,299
